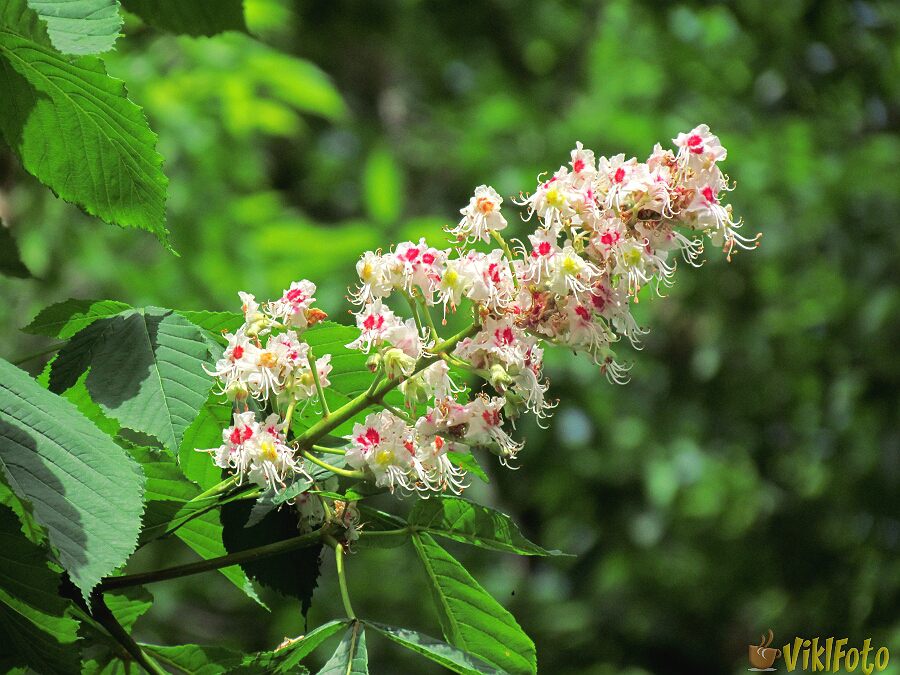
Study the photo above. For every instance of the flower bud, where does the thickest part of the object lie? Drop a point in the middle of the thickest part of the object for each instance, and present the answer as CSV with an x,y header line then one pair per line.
x,y
237,391
398,363
499,378
414,390
314,316
373,362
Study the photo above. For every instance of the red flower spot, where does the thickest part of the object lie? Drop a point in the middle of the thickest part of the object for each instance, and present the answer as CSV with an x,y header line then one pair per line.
x,y
369,322
578,165
609,238
247,434
544,248
620,175
694,141
235,436
412,253
494,272
438,442
410,448
708,195
295,295
370,438
583,312
492,417
428,258
237,353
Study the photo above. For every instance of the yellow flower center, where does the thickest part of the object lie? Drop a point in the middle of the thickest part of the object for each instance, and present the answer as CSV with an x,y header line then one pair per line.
x,y
268,451
268,360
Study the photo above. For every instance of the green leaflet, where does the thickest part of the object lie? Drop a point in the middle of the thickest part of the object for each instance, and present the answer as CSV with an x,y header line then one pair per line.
x,y
197,17
146,371
351,656
80,26
437,651
470,618
286,659
34,624
197,659
214,322
64,319
459,519
83,489
75,129
10,260
204,433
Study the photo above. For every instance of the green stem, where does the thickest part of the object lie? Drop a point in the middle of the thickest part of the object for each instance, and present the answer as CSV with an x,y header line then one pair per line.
x,y
509,256
384,533
375,394
249,555
414,309
217,489
107,619
319,391
34,355
429,320
335,470
288,415
329,451
399,413
342,575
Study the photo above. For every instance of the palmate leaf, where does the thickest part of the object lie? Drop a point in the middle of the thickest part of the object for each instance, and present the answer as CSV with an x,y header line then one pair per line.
x,y
80,26
197,659
459,519
470,618
34,623
146,370
351,656
75,129
439,652
82,487
197,17
204,433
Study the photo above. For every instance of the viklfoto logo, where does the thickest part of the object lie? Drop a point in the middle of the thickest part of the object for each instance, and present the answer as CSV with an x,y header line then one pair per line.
x,y
816,655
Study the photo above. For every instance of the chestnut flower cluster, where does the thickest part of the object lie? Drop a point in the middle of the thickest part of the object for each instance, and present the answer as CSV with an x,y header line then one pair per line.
x,y
605,228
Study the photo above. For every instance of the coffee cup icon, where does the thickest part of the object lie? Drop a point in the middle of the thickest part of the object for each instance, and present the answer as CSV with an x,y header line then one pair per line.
x,y
762,656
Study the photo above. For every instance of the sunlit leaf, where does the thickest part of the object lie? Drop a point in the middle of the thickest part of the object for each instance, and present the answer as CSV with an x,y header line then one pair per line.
x,y
75,129
80,26
435,650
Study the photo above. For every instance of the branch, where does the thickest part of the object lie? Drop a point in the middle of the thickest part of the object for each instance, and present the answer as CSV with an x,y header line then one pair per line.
x,y
249,555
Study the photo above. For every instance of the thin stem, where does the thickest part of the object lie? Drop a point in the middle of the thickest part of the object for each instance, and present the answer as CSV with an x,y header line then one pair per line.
x,y
509,256
376,380
34,355
107,619
249,555
428,318
376,393
415,311
342,575
217,489
399,413
288,415
329,451
319,391
325,465
384,533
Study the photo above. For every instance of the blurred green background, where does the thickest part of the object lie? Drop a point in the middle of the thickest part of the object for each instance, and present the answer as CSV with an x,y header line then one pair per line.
x,y
749,475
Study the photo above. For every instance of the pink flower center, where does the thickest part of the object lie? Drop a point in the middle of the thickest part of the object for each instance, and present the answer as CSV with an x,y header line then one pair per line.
x,y
583,312
709,196
620,175
544,248
428,258
578,165
411,254
237,353
295,295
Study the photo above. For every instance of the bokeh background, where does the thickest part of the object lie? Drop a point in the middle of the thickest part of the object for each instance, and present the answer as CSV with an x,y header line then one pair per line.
x,y
749,475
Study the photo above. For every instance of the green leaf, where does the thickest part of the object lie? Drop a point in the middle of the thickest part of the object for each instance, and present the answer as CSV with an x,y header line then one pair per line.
x,y
80,26
374,520
75,129
10,259
33,617
299,486
83,488
470,618
197,17
286,658
64,319
468,461
214,322
128,604
205,432
439,652
459,519
295,573
146,371
196,659
351,656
